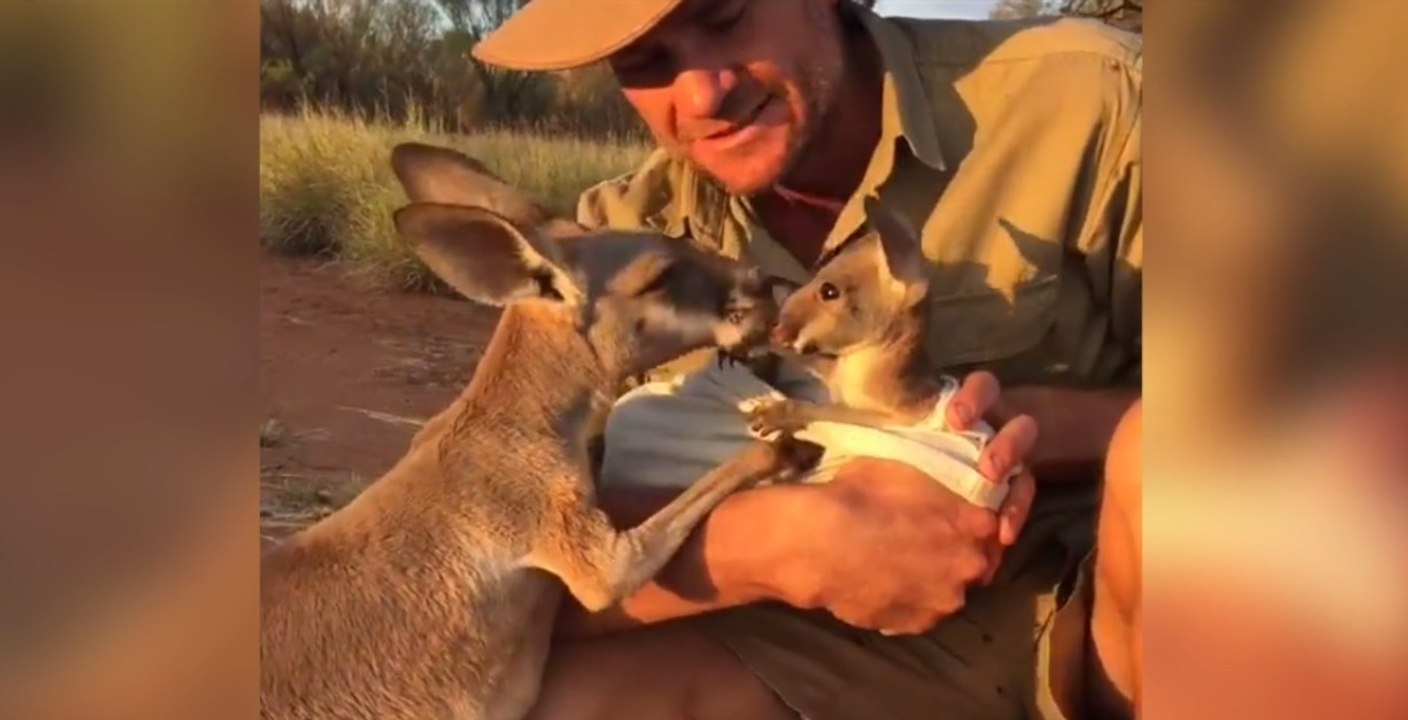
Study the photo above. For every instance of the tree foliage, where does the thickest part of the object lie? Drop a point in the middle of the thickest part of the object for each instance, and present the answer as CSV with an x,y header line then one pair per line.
x,y
395,57
1017,9
478,18
1124,14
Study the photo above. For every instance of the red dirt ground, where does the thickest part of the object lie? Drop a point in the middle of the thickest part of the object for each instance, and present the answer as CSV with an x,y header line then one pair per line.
x,y
346,373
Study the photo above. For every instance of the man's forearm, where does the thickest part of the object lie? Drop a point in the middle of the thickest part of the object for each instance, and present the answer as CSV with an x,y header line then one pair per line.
x,y
1074,427
724,563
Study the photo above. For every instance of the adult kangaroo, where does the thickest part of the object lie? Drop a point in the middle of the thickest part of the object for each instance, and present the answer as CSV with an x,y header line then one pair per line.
x,y
432,594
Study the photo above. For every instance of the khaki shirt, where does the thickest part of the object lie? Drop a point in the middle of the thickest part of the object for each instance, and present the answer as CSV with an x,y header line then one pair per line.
x,y
1015,149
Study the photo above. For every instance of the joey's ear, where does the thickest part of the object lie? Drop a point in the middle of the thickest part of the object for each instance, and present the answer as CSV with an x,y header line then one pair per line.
x,y
485,257
430,174
904,257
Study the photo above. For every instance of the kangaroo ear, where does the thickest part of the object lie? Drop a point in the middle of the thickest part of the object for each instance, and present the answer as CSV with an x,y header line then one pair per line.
x,y
485,257
430,174
780,287
904,258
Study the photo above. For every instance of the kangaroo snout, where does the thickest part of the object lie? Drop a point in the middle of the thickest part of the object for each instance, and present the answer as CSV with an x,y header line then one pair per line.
x,y
794,336
754,324
783,334
748,315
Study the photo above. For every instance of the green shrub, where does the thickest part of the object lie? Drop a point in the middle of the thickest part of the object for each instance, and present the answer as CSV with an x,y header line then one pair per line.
x,y
326,186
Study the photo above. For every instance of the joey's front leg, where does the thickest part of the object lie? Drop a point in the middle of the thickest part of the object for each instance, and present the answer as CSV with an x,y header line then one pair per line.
x,y
601,566
789,416
781,416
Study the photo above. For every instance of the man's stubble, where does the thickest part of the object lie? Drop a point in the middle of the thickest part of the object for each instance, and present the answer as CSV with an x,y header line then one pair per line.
x,y
817,84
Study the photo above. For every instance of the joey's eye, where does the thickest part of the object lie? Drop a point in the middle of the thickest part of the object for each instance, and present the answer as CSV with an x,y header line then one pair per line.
x,y
828,292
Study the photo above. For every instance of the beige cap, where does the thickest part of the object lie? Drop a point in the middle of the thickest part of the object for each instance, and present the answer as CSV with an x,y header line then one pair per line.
x,y
562,34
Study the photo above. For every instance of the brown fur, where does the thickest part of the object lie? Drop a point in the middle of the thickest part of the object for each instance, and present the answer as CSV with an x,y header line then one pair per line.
x,y
865,340
433,593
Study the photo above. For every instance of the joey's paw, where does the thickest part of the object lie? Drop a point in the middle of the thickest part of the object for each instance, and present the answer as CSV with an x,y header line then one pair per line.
x,y
797,455
779,416
725,356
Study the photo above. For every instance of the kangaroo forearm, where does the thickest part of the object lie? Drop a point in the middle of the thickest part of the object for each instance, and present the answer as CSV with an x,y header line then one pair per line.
x,y
651,604
848,415
727,561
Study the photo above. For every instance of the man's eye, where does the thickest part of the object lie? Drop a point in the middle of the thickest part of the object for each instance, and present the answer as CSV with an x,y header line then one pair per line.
x,y
635,62
721,23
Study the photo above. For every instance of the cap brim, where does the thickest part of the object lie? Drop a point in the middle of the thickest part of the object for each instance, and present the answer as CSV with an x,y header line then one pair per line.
x,y
563,34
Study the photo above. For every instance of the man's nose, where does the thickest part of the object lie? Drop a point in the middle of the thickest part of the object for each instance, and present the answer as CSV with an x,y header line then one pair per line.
x,y
700,93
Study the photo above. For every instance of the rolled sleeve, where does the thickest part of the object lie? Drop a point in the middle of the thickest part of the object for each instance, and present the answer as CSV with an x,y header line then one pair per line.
x,y
1112,243
648,197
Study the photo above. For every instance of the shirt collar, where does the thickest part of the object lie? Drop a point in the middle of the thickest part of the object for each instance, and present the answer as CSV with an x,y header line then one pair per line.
x,y
906,108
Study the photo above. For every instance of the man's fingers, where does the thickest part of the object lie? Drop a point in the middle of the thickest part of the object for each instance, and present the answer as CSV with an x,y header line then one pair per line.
x,y
1008,448
1015,509
975,396
994,556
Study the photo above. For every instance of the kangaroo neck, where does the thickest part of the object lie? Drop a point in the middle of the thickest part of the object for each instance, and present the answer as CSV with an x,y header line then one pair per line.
x,y
538,374
894,375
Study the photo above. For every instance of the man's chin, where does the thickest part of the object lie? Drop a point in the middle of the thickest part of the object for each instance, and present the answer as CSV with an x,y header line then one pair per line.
x,y
747,175
743,183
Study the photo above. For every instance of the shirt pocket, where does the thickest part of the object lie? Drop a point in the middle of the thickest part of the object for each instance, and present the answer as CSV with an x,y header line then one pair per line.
x,y
987,328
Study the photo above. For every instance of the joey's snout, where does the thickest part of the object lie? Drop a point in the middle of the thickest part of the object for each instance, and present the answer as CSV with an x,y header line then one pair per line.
x,y
805,328
783,334
787,335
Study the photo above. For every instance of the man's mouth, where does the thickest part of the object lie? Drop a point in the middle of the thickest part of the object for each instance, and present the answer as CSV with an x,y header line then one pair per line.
x,y
747,119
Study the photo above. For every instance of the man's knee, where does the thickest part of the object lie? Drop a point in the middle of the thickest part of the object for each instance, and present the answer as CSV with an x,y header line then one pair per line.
x,y
668,672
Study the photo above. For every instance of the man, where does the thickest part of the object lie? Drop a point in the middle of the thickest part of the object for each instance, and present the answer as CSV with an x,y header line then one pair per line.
x,y
1014,148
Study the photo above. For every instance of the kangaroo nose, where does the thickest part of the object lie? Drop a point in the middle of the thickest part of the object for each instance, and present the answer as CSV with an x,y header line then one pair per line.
x,y
783,334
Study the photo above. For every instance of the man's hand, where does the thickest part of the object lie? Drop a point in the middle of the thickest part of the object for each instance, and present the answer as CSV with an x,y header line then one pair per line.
x,y
901,550
980,397
882,546
889,549
1076,427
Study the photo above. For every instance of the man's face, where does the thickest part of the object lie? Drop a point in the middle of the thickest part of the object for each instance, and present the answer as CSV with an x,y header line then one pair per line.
x,y
736,87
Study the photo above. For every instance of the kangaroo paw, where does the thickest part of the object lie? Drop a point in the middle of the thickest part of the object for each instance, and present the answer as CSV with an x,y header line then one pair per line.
x,y
797,455
781,416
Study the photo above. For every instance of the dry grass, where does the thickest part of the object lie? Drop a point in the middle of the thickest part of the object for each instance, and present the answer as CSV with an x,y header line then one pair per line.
x,y
326,187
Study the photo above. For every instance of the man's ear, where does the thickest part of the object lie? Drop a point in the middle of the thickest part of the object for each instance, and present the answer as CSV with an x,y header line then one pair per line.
x,y
899,243
485,257
430,174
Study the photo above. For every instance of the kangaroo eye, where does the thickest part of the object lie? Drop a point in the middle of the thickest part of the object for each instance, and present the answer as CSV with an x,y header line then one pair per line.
x,y
829,291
